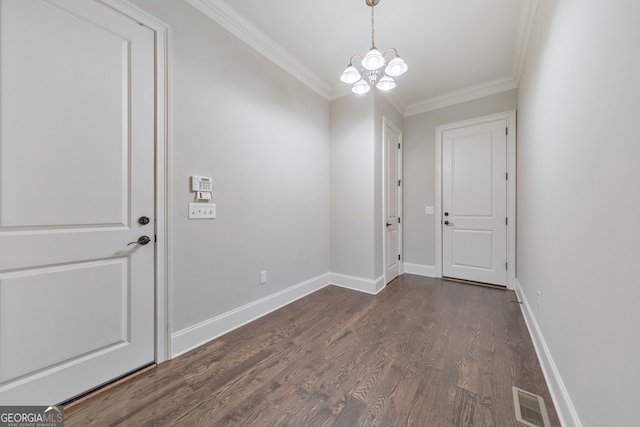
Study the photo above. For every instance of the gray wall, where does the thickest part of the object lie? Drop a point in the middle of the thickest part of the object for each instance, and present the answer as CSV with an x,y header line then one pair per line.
x,y
579,200
352,186
264,138
356,183
419,169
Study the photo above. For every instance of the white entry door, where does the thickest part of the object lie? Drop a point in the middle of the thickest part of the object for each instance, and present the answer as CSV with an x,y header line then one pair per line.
x,y
474,203
76,177
392,201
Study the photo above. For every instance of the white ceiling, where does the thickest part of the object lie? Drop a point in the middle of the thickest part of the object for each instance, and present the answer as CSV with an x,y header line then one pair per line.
x,y
456,49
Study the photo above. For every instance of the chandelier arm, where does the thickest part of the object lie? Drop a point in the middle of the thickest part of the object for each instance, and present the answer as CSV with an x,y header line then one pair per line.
x,y
353,56
393,49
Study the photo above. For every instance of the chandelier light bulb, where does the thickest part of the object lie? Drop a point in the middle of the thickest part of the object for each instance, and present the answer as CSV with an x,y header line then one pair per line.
x,y
350,75
386,83
396,67
373,60
361,87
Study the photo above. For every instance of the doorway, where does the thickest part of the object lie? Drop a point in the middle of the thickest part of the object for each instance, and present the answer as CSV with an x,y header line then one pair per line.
x,y
81,197
392,199
475,199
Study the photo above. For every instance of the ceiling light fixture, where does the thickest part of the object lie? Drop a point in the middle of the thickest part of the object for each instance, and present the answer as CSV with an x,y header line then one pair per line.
x,y
369,71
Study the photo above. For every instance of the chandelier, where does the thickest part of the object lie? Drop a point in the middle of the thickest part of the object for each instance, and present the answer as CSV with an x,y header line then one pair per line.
x,y
369,70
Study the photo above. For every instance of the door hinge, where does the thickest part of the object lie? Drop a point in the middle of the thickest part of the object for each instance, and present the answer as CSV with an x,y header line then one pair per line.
x,y
506,176
398,220
506,221
398,145
399,182
155,238
506,265
506,131
398,257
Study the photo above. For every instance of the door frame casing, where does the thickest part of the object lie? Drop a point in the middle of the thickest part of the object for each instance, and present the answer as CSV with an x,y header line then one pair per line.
x,y
510,117
162,121
386,122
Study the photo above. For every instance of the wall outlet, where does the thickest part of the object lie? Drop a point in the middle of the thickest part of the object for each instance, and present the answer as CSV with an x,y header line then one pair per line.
x,y
263,277
202,211
539,298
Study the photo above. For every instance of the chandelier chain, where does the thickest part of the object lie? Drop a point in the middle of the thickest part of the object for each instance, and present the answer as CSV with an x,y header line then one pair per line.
x,y
373,28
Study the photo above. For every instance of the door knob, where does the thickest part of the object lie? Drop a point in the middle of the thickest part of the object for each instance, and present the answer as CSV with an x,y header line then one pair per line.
x,y
142,240
448,223
143,220
446,214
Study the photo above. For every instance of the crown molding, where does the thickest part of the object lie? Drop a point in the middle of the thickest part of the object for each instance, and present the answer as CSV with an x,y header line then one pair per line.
x,y
525,27
480,90
229,19
491,87
338,91
395,101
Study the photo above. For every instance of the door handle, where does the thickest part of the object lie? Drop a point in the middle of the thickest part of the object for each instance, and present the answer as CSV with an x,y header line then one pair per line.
x,y
389,224
448,223
143,220
142,240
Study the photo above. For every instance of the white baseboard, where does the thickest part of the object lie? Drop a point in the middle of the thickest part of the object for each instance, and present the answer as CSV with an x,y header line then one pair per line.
x,y
369,286
419,269
564,407
196,335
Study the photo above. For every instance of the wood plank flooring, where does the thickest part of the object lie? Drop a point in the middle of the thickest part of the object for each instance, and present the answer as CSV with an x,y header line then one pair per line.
x,y
424,352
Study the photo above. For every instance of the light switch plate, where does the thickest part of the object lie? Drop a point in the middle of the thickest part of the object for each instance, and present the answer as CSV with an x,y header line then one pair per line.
x,y
428,210
202,211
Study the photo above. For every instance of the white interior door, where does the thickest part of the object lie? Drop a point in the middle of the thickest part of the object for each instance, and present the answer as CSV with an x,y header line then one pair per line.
x,y
474,203
76,174
392,201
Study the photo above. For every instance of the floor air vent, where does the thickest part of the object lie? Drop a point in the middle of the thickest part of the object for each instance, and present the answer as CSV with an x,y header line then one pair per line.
x,y
530,409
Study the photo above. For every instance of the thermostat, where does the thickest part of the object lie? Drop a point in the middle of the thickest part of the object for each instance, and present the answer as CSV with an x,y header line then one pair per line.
x,y
201,183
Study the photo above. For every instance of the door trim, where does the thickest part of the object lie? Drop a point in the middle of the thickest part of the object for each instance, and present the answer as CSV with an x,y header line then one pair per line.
x,y
510,116
162,158
386,122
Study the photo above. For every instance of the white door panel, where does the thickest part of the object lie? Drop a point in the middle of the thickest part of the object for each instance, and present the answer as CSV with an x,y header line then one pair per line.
x,y
474,164
46,88
392,203
76,173
475,248
102,285
471,182
392,248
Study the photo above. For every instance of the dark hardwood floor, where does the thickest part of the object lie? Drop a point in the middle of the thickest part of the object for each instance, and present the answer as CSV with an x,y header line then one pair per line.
x,y
424,352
